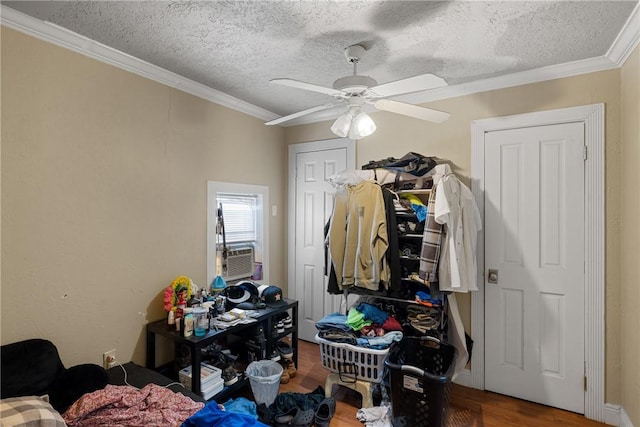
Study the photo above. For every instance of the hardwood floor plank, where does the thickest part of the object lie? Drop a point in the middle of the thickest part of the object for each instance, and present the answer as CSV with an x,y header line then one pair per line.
x,y
468,407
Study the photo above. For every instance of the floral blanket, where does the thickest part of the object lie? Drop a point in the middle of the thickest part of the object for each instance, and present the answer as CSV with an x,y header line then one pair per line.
x,y
123,406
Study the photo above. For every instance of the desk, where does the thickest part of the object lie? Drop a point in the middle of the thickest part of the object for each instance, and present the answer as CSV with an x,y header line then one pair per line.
x,y
196,344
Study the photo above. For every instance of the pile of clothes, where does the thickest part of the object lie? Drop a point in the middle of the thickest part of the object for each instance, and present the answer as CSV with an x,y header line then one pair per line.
x,y
365,326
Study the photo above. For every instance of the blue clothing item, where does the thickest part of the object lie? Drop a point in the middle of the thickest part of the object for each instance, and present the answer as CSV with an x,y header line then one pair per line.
x,y
212,416
423,296
333,320
420,211
426,296
379,343
373,313
241,406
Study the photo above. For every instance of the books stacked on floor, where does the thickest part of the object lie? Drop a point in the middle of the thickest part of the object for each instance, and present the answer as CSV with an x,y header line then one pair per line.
x,y
211,382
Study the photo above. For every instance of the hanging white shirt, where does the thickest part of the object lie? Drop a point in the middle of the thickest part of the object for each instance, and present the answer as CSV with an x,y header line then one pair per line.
x,y
456,209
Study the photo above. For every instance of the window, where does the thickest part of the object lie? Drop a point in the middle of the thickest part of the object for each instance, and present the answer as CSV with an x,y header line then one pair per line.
x,y
239,212
245,225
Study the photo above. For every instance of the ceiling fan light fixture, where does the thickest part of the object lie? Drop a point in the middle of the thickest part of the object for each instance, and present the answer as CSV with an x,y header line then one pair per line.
x,y
362,125
342,124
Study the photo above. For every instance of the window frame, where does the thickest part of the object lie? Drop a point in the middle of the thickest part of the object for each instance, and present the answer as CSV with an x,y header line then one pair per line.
x,y
261,247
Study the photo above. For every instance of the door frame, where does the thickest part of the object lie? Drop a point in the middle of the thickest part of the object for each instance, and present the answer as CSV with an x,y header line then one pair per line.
x,y
593,118
294,150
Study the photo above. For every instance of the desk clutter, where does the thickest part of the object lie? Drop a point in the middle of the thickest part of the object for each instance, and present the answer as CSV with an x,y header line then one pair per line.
x,y
195,311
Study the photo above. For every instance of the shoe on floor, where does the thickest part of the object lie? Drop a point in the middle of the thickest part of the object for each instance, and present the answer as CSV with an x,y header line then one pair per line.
x,y
302,418
295,417
324,412
229,375
274,355
289,366
284,419
284,349
284,377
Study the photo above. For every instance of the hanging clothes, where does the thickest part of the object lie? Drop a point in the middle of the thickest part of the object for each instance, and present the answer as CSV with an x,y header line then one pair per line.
x,y
431,242
393,251
358,236
456,210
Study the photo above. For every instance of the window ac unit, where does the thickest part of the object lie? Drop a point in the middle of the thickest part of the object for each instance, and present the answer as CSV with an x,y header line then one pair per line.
x,y
239,263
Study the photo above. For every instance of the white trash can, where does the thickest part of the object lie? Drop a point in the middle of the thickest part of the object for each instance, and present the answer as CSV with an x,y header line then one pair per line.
x,y
264,377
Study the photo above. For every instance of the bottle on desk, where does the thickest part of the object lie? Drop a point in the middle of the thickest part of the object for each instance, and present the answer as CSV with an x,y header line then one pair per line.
x,y
200,321
188,322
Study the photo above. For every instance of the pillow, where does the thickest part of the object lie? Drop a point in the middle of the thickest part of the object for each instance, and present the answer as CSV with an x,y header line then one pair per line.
x,y
29,367
29,411
75,382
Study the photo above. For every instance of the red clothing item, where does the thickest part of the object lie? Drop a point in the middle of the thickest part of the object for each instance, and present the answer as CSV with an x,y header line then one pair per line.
x,y
126,406
392,325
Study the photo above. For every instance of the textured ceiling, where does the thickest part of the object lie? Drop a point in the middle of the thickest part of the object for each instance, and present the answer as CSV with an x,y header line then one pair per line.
x,y
236,47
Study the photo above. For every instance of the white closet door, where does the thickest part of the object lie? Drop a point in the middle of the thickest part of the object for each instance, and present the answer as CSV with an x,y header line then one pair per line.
x,y
534,239
313,206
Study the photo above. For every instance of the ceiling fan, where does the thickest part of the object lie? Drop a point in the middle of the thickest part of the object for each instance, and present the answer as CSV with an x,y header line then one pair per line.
x,y
355,91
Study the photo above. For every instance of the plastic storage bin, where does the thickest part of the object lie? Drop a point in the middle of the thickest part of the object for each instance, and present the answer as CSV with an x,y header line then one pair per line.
x,y
421,370
264,377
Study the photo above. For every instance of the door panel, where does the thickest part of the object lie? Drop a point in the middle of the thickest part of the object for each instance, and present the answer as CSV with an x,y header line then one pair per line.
x,y
534,237
314,204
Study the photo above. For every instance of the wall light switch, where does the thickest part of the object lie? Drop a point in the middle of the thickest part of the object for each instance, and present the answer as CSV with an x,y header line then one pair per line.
x,y
274,210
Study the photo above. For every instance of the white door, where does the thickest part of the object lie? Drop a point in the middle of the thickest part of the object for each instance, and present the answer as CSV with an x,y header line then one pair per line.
x,y
313,204
534,240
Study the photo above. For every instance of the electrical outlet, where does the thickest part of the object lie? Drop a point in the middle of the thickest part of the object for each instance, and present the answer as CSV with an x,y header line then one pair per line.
x,y
109,359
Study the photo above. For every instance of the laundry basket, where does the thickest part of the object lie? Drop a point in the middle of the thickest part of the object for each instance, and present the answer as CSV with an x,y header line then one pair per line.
x,y
351,362
421,370
264,377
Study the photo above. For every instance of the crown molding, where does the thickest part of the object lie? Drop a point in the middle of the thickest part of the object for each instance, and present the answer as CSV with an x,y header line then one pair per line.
x,y
627,40
552,72
59,36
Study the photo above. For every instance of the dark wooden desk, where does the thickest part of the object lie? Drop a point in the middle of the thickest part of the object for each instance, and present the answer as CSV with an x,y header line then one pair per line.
x,y
196,344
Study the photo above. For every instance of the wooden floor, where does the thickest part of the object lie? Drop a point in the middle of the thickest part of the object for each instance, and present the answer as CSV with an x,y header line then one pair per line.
x,y
469,407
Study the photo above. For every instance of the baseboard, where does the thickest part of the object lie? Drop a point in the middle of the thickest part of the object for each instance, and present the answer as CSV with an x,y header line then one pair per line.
x,y
625,421
615,415
464,378
612,414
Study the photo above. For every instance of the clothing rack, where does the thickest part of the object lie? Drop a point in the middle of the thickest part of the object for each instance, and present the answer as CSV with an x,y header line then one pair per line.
x,y
442,322
397,292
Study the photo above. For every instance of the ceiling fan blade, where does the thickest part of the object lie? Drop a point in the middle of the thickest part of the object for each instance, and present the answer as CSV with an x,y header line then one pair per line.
x,y
306,86
408,85
300,114
412,110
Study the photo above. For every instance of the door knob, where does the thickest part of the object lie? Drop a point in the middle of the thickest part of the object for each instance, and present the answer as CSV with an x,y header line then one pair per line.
x,y
493,276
